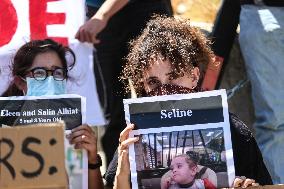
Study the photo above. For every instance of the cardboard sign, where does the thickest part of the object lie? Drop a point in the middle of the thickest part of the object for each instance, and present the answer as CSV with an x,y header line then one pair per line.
x,y
27,110
25,20
32,157
194,124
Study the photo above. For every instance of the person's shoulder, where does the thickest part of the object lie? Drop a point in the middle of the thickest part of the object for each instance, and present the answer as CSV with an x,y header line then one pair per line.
x,y
207,184
238,127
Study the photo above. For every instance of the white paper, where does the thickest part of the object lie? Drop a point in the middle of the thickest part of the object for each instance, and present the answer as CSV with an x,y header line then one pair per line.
x,y
163,139
84,80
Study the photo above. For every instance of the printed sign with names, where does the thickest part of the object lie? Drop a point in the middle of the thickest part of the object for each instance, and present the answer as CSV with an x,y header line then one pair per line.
x,y
193,125
24,110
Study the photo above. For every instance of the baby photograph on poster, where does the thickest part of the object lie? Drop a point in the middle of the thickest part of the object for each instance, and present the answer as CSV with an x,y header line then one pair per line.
x,y
166,159
184,141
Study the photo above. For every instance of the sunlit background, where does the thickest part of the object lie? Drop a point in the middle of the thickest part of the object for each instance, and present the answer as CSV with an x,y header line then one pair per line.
x,y
197,10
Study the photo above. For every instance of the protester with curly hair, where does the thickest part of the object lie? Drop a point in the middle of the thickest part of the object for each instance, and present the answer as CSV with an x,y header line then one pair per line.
x,y
170,57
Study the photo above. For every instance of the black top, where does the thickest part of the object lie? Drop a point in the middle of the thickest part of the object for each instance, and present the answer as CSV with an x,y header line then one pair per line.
x,y
266,2
226,23
247,156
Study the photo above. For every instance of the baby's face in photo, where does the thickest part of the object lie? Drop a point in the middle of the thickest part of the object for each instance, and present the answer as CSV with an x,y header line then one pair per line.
x,y
181,171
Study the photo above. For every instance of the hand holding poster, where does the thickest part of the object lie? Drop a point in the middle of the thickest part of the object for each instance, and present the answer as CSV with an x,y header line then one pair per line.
x,y
178,129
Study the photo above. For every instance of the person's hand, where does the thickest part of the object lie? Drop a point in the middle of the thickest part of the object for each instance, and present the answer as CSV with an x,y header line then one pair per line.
x,y
89,31
166,180
124,142
83,137
244,182
123,167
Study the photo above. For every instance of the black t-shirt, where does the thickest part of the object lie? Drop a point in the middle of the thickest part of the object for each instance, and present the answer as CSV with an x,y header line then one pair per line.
x,y
247,156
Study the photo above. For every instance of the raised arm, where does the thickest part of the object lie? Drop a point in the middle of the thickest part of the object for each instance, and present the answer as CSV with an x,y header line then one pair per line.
x,y
123,168
89,31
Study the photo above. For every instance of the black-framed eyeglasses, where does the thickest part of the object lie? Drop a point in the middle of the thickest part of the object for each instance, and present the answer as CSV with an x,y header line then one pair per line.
x,y
40,73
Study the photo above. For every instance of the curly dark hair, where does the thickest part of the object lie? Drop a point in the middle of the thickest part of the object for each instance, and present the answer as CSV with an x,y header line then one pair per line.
x,y
174,39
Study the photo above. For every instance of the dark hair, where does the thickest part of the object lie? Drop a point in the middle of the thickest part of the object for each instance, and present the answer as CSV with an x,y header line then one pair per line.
x,y
193,155
26,54
174,39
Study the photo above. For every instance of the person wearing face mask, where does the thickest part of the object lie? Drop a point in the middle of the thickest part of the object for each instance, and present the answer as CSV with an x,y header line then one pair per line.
x,y
39,68
170,57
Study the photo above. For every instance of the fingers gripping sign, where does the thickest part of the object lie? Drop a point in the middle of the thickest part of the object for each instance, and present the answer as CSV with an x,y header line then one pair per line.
x,y
123,167
244,182
124,140
83,137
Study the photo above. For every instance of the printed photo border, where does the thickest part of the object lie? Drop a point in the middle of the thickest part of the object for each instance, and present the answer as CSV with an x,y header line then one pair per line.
x,y
225,125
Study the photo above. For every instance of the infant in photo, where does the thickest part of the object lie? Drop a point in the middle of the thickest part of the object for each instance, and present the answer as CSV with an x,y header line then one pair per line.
x,y
183,174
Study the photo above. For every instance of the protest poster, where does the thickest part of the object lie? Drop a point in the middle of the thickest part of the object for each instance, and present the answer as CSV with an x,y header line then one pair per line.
x,y
24,110
33,157
70,108
25,20
195,124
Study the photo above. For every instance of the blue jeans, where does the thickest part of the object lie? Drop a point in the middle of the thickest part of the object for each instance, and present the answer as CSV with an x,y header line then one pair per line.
x,y
262,45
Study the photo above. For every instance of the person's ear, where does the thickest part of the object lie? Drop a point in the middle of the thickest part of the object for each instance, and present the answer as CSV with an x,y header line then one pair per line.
x,y
195,75
194,170
20,83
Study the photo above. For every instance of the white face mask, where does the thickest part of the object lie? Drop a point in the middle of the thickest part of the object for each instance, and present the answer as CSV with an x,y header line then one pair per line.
x,y
49,86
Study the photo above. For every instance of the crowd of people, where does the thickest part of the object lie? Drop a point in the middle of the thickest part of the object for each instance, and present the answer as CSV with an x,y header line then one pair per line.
x,y
166,56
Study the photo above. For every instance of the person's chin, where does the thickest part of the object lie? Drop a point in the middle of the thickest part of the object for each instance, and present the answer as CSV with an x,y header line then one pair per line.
x,y
175,179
